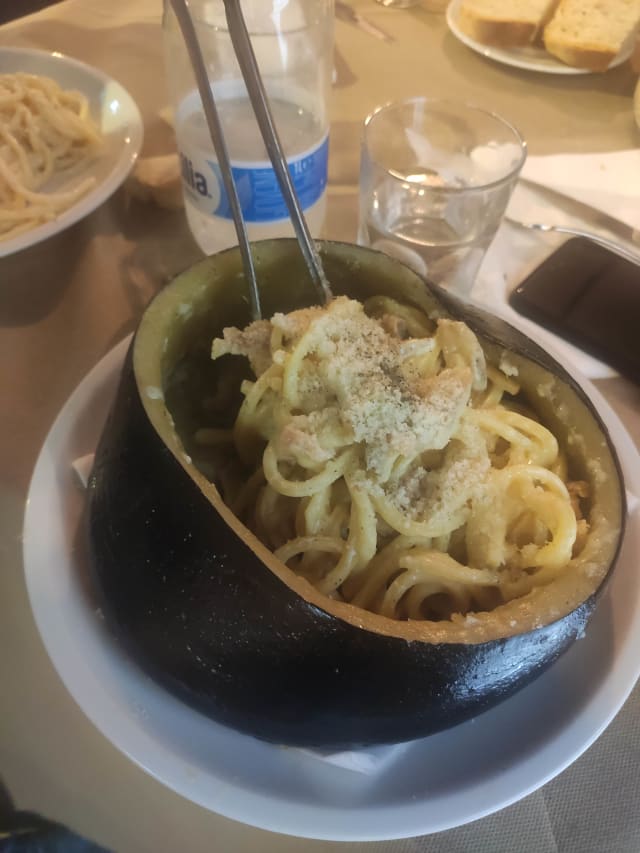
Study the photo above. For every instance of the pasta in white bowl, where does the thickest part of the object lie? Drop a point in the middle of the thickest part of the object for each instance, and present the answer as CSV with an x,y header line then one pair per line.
x,y
69,135
45,131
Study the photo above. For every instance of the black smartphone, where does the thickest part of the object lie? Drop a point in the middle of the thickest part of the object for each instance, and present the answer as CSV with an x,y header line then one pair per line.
x,y
589,296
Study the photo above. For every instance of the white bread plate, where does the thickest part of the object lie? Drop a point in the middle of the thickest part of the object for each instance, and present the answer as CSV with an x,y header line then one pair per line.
x,y
529,58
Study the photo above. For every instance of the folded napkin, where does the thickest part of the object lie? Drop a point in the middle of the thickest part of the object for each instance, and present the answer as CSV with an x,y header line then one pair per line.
x,y
609,181
368,761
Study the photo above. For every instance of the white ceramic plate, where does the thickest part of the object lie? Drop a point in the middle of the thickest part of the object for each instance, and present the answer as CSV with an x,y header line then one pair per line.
x,y
529,58
116,115
435,784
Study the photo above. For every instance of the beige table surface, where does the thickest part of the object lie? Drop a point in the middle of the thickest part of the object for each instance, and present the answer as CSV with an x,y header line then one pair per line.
x,y
64,303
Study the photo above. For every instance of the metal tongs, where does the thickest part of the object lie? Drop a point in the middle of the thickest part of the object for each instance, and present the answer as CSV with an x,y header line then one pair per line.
x,y
260,104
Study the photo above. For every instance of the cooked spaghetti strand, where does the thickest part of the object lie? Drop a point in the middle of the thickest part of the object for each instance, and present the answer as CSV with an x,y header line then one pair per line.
x,y
45,132
390,471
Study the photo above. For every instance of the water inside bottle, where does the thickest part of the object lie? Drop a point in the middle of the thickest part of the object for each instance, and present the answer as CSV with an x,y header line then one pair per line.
x,y
304,140
298,129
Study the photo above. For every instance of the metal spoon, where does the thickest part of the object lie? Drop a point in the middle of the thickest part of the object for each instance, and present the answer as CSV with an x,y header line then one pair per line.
x,y
217,137
258,97
612,245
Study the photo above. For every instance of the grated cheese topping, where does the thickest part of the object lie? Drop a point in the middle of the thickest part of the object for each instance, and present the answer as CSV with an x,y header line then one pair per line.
x,y
365,374
387,406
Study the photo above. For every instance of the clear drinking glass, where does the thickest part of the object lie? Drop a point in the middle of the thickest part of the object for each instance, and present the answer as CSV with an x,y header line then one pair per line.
x,y
435,179
293,44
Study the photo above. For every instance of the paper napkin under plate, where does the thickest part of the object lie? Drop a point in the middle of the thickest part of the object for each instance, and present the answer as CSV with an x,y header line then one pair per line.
x,y
609,181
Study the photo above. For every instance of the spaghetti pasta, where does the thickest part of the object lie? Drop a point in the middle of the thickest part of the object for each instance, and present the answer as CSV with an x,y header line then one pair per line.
x,y
45,131
392,467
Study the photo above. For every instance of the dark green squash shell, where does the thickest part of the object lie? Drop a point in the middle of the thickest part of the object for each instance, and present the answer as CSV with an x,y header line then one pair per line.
x,y
206,609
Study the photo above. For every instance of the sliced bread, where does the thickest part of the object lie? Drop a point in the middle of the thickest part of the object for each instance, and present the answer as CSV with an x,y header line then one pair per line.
x,y
591,33
507,24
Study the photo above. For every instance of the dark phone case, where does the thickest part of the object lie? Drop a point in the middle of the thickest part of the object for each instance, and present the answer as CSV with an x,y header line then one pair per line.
x,y
590,297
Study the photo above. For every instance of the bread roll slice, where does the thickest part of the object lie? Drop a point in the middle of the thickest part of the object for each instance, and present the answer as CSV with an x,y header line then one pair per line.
x,y
591,33
506,24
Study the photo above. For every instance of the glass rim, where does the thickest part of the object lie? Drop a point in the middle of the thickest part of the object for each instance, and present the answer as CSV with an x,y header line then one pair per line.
x,y
468,105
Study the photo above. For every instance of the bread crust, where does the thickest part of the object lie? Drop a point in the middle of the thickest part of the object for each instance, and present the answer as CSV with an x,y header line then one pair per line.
x,y
496,32
583,35
591,57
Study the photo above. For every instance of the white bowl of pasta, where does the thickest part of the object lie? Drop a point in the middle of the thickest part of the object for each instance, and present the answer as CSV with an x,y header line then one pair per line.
x,y
70,136
362,523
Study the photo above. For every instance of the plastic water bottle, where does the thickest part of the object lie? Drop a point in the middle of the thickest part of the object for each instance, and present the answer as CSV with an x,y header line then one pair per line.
x,y
293,43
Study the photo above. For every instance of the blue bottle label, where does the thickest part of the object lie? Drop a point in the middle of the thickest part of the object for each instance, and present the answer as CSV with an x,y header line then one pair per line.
x,y
257,185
